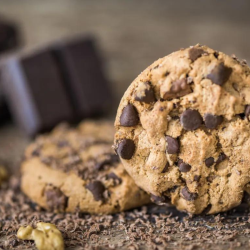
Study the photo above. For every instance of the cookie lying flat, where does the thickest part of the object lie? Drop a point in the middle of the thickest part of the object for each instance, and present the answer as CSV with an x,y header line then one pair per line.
x,y
76,170
183,131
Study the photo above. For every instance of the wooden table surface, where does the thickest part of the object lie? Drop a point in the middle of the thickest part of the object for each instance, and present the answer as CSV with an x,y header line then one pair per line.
x,y
131,35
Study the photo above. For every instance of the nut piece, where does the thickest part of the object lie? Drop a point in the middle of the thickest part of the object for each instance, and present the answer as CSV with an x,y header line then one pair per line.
x,y
46,236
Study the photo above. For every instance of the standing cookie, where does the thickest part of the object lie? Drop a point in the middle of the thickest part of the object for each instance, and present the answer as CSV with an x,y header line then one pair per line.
x,y
183,131
76,170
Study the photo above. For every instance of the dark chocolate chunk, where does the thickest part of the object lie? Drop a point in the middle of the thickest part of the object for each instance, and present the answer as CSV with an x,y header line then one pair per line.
x,y
247,112
184,167
9,37
187,195
97,189
173,146
197,178
146,94
116,179
165,169
191,119
195,53
179,88
126,149
159,200
59,83
81,68
212,121
129,116
209,161
56,200
220,74
35,92
221,158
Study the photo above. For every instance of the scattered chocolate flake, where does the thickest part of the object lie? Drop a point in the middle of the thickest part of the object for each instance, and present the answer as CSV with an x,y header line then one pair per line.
x,y
151,227
220,74
129,116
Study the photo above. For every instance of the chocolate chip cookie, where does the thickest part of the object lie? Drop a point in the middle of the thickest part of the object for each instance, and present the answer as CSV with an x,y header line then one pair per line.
x,y
183,130
76,169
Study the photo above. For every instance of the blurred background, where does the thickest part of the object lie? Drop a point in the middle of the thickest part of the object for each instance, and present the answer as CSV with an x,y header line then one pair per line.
x,y
130,35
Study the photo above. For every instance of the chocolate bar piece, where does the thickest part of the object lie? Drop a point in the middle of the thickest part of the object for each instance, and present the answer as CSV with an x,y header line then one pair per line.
x,y
35,92
9,38
64,82
84,78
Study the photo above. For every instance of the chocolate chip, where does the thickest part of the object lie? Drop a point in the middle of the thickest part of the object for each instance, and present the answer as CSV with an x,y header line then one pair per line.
x,y
212,121
216,54
97,189
116,179
36,152
197,178
159,200
173,145
111,159
126,149
247,112
191,119
195,53
145,93
172,189
129,116
184,167
246,198
62,144
179,88
207,209
187,195
56,200
221,158
209,161
165,169
220,74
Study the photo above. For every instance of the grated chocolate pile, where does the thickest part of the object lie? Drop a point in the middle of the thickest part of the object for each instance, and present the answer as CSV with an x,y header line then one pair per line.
x,y
151,227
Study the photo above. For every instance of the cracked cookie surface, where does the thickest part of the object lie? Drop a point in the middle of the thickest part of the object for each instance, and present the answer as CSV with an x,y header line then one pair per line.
x,y
183,131
75,169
